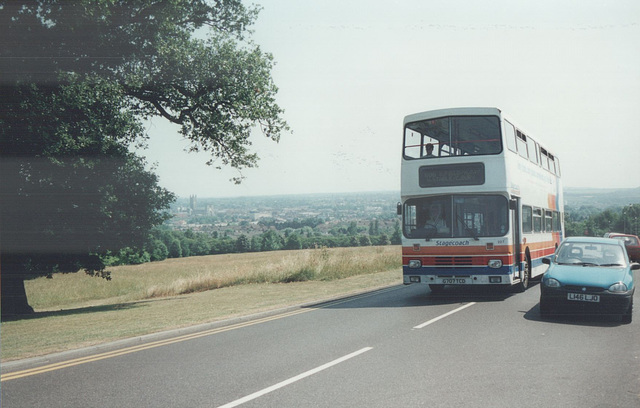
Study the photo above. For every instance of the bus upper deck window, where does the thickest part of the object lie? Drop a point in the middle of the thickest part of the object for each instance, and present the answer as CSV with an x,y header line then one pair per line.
x,y
453,136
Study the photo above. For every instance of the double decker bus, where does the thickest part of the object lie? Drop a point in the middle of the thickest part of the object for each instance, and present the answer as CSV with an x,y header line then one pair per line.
x,y
481,199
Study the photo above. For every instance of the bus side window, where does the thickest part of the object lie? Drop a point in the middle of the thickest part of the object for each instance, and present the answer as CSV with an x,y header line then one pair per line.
x,y
537,220
548,221
552,164
510,136
557,161
545,158
410,218
527,222
533,150
522,144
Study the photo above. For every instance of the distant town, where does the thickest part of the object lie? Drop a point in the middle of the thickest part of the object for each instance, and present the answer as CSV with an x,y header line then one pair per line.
x,y
370,213
232,217
209,226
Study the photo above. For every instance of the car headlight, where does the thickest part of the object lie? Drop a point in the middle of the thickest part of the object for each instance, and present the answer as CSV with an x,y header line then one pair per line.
x,y
551,283
618,287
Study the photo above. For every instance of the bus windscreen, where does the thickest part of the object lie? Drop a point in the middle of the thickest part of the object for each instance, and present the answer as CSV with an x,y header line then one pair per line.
x,y
456,216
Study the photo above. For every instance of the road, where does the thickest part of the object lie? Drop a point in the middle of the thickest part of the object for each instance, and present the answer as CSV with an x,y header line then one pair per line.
x,y
398,347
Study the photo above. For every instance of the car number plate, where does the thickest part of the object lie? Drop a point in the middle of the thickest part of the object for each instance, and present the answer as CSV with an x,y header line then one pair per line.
x,y
454,281
583,297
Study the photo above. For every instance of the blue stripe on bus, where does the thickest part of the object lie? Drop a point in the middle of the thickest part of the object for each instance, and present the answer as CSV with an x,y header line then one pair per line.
x,y
481,270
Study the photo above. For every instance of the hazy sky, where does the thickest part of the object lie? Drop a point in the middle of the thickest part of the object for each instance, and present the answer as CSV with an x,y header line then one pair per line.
x,y
349,71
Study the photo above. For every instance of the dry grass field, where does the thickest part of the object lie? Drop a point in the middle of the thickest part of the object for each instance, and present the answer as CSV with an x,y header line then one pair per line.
x,y
74,310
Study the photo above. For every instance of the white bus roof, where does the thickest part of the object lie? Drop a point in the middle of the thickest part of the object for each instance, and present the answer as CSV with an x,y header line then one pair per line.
x,y
451,112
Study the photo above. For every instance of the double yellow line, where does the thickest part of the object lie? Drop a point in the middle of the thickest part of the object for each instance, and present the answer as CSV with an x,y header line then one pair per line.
x,y
120,352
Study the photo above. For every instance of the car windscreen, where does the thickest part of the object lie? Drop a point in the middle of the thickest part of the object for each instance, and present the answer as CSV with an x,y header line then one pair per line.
x,y
591,253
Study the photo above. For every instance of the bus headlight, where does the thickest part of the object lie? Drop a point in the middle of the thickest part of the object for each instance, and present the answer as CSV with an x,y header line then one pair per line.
x,y
415,263
495,263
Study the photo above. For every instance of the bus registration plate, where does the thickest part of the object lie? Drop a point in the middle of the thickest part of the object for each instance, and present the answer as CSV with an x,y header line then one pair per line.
x,y
454,281
583,297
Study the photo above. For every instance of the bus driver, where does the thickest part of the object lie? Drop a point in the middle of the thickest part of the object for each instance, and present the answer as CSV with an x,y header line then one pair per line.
x,y
436,220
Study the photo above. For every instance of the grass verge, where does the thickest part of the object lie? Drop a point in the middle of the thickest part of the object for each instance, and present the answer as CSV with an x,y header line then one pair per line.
x,y
75,311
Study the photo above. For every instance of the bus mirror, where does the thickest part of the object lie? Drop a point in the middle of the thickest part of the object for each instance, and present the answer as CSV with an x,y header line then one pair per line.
x,y
399,209
513,204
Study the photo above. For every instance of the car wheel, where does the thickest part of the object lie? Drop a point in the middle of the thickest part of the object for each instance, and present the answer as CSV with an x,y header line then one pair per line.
x,y
628,315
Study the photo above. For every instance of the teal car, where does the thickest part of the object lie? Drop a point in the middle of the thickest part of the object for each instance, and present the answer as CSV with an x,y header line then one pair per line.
x,y
588,275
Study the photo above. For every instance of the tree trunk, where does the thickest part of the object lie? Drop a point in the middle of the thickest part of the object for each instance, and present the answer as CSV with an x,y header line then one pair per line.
x,y
14,296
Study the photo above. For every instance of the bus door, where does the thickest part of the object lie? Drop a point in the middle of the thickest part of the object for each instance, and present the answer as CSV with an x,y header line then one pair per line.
x,y
514,206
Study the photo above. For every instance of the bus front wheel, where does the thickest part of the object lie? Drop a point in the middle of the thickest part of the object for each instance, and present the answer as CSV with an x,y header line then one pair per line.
x,y
526,276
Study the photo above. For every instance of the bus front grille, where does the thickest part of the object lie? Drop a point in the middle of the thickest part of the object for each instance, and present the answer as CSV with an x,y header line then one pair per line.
x,y
454,261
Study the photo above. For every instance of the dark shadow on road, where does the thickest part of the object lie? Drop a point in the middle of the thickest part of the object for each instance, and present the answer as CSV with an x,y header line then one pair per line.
x,y
458,294
575,319
83,310
419,296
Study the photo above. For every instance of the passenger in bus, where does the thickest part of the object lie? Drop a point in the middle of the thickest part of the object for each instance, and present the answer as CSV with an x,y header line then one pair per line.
x,y
429,148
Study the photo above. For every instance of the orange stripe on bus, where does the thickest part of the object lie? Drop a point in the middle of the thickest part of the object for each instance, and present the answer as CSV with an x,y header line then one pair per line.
x,y
536,250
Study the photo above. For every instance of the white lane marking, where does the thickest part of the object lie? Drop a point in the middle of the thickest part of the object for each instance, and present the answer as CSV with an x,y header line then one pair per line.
x,y
420,326
294,379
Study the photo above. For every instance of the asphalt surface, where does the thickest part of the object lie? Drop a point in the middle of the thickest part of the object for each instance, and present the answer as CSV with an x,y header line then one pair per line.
x,y
397,347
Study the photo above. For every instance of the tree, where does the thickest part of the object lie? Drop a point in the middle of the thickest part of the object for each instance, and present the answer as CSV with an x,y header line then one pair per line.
x,y
374,227
157,249
396,236
215,85
71,192
271,241
243,244
293,241
352,230
129,256
383,239
175,248
256,243
78,80
199,245
364,240
629,218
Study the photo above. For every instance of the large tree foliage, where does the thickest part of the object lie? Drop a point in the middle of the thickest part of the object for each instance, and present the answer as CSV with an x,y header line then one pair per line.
x,y
182,60
78,80
71,191
591,221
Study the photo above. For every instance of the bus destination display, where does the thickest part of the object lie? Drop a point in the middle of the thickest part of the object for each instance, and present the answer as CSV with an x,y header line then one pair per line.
x,y
468,174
